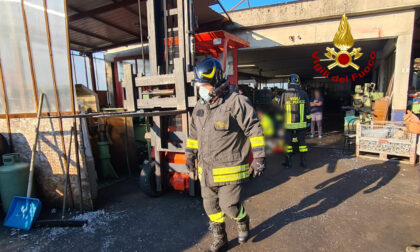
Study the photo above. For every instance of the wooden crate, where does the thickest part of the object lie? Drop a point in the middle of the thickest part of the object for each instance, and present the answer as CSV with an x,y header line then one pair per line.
x,y
386,141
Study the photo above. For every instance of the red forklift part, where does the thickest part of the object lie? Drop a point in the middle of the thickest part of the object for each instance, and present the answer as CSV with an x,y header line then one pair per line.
x,y
179,181
205,44
176,158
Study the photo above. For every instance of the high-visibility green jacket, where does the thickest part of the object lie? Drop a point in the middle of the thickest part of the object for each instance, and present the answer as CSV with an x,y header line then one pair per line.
x,y
268,125
297,112
222,135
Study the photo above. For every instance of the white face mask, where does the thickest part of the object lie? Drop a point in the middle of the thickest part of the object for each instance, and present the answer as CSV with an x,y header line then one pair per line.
x,y
205,94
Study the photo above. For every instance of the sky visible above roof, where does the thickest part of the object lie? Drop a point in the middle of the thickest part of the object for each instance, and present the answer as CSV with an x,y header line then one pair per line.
x,y
229,4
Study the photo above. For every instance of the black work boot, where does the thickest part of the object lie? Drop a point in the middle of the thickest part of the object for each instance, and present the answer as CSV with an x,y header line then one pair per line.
x,y
220,242
243,229
303,159
288,163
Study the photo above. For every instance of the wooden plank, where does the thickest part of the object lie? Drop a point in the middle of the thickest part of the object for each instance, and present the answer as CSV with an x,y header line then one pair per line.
x,y
152,36
180,83
187,34
177,168
192,101
181,35
127,83
173,12
157,103
385,156
158,145
190,77
157,80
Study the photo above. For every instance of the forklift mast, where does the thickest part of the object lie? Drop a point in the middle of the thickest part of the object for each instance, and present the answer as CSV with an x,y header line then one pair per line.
x,y
173,50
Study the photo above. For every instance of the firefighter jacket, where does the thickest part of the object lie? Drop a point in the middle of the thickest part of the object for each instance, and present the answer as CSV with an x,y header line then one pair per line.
x,y
297,112
222,135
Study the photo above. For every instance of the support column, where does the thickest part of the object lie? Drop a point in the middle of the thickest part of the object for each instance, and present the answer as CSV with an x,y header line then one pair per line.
x,y
110,83
402,75
92,72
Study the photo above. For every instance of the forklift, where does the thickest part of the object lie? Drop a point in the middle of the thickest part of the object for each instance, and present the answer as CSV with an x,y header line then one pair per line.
x,y
174,49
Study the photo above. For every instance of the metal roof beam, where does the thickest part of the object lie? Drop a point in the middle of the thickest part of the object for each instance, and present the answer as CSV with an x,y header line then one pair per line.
x,y
91,34
126,43
103,9
107,22
81,44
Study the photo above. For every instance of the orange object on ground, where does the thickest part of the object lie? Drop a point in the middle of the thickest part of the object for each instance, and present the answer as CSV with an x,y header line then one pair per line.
x,y
180,181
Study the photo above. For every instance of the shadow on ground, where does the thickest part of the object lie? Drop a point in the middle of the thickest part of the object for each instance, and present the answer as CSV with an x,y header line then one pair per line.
x,y
330,194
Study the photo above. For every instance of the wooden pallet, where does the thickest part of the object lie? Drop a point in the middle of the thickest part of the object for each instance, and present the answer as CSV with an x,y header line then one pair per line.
x,y
387,157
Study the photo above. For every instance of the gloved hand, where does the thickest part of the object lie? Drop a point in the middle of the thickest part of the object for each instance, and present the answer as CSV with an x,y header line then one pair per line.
x,y
257,167
190,164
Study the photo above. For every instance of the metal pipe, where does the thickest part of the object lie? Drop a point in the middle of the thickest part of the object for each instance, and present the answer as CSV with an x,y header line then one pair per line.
x,y
119,114
28,45
73,70
141,41
57,100
73,106
127,159
234,7
6,109
79,176
223,8
67,175
86,74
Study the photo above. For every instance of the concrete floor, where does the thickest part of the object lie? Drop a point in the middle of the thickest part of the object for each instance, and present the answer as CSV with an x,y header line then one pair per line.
x,y
339,203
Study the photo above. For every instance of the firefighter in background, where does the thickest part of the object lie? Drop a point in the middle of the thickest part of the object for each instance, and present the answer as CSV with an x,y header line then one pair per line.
x,y
224,128
297,115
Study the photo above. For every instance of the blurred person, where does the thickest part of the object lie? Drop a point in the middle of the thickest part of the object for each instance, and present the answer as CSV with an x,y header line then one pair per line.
x,y
413,126
297,115
224,128
316,109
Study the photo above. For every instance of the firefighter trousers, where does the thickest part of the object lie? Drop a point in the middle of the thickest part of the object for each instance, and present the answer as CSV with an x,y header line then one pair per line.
x,y
220,201
299,135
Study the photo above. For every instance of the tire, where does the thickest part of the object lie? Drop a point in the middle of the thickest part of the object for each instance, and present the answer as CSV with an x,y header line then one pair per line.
x,y
147,180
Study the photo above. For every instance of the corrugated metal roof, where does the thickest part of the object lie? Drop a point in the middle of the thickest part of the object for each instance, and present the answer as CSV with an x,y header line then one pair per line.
x,y
95,24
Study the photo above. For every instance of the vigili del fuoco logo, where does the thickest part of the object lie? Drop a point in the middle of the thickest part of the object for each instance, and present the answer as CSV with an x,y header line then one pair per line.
x,y
344,57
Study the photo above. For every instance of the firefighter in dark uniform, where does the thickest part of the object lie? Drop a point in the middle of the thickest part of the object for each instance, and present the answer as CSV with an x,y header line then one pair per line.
x,y
224,128
297,114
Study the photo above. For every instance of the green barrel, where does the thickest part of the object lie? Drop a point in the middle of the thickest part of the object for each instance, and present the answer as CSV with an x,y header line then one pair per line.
x,y
13,179
105,158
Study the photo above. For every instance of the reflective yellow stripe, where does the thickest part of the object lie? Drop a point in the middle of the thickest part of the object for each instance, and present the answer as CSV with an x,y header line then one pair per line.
x,y
230,170
288,114
289,149
299,125
257,141
309,117
231,177
200,171
303,148
302,110
210,75
242,214
192,144
218,217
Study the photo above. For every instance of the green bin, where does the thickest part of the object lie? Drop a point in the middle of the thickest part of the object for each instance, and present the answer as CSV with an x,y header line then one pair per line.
x,y
13,179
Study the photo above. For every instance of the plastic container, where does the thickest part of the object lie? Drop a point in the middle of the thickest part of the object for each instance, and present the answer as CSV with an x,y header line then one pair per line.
x,y
13,179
